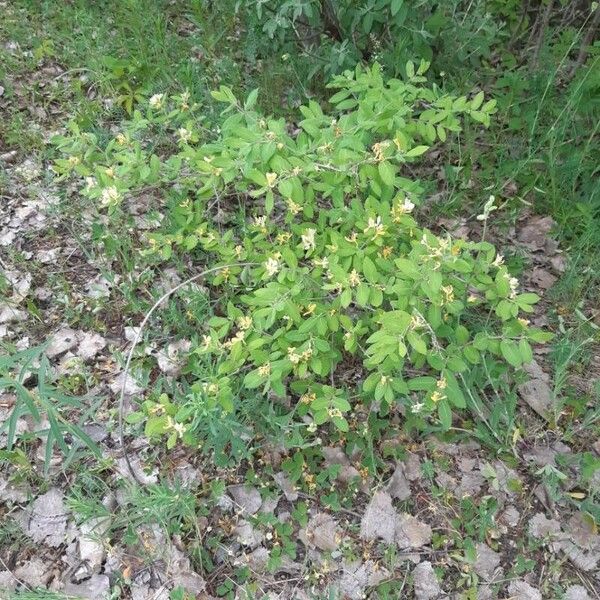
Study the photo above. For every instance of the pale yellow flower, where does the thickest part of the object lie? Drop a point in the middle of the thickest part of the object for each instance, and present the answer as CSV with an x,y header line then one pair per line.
x,y
376,225
283,238
294,357
310,309
437,396
354,278
448,292
272,266
244,323
499,260
308,397
264,370
293,207
260,222
321,262
308,239
185,135
400,209
156,101
110,195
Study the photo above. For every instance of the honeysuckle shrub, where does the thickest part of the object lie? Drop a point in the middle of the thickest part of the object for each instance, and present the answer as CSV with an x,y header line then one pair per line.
x,y
330,292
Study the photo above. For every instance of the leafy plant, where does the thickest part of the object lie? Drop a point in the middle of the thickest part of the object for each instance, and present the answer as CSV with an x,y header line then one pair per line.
x,y
332,293
43,403
338,35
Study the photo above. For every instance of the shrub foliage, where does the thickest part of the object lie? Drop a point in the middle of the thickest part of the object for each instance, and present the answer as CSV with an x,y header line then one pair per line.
x,y
330,291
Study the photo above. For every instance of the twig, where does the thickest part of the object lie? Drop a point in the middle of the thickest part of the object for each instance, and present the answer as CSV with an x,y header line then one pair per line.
x,y
516,35
585,44
19,581
541,32
137,339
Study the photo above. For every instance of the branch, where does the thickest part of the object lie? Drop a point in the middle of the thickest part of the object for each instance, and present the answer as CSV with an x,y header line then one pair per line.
x,y
585,44
541,32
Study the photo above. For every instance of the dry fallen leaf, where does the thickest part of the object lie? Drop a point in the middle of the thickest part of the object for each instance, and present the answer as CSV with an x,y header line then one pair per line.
x,y
543,528
535,232
521,590
542,279
379,519
90,344
487,562
97,587
289,491
426,584
536,392
358,576
172,358
247,498
64,339
398,486
46,520
410,532
321,532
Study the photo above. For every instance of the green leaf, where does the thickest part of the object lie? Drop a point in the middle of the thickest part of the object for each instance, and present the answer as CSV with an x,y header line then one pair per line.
x,y
454,391
362,294
462,266
472,355
290,257
417,342
155,426
269,202
370,270
408,268
396,6
253,380
477,101
346,298
257,177
526,351
510,351
376,297
417,151
340,423
527,298
445,414
462,334
421,384
251,99
387,172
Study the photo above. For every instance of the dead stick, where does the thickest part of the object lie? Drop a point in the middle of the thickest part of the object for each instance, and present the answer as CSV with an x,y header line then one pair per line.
x,y
541,32
585,44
